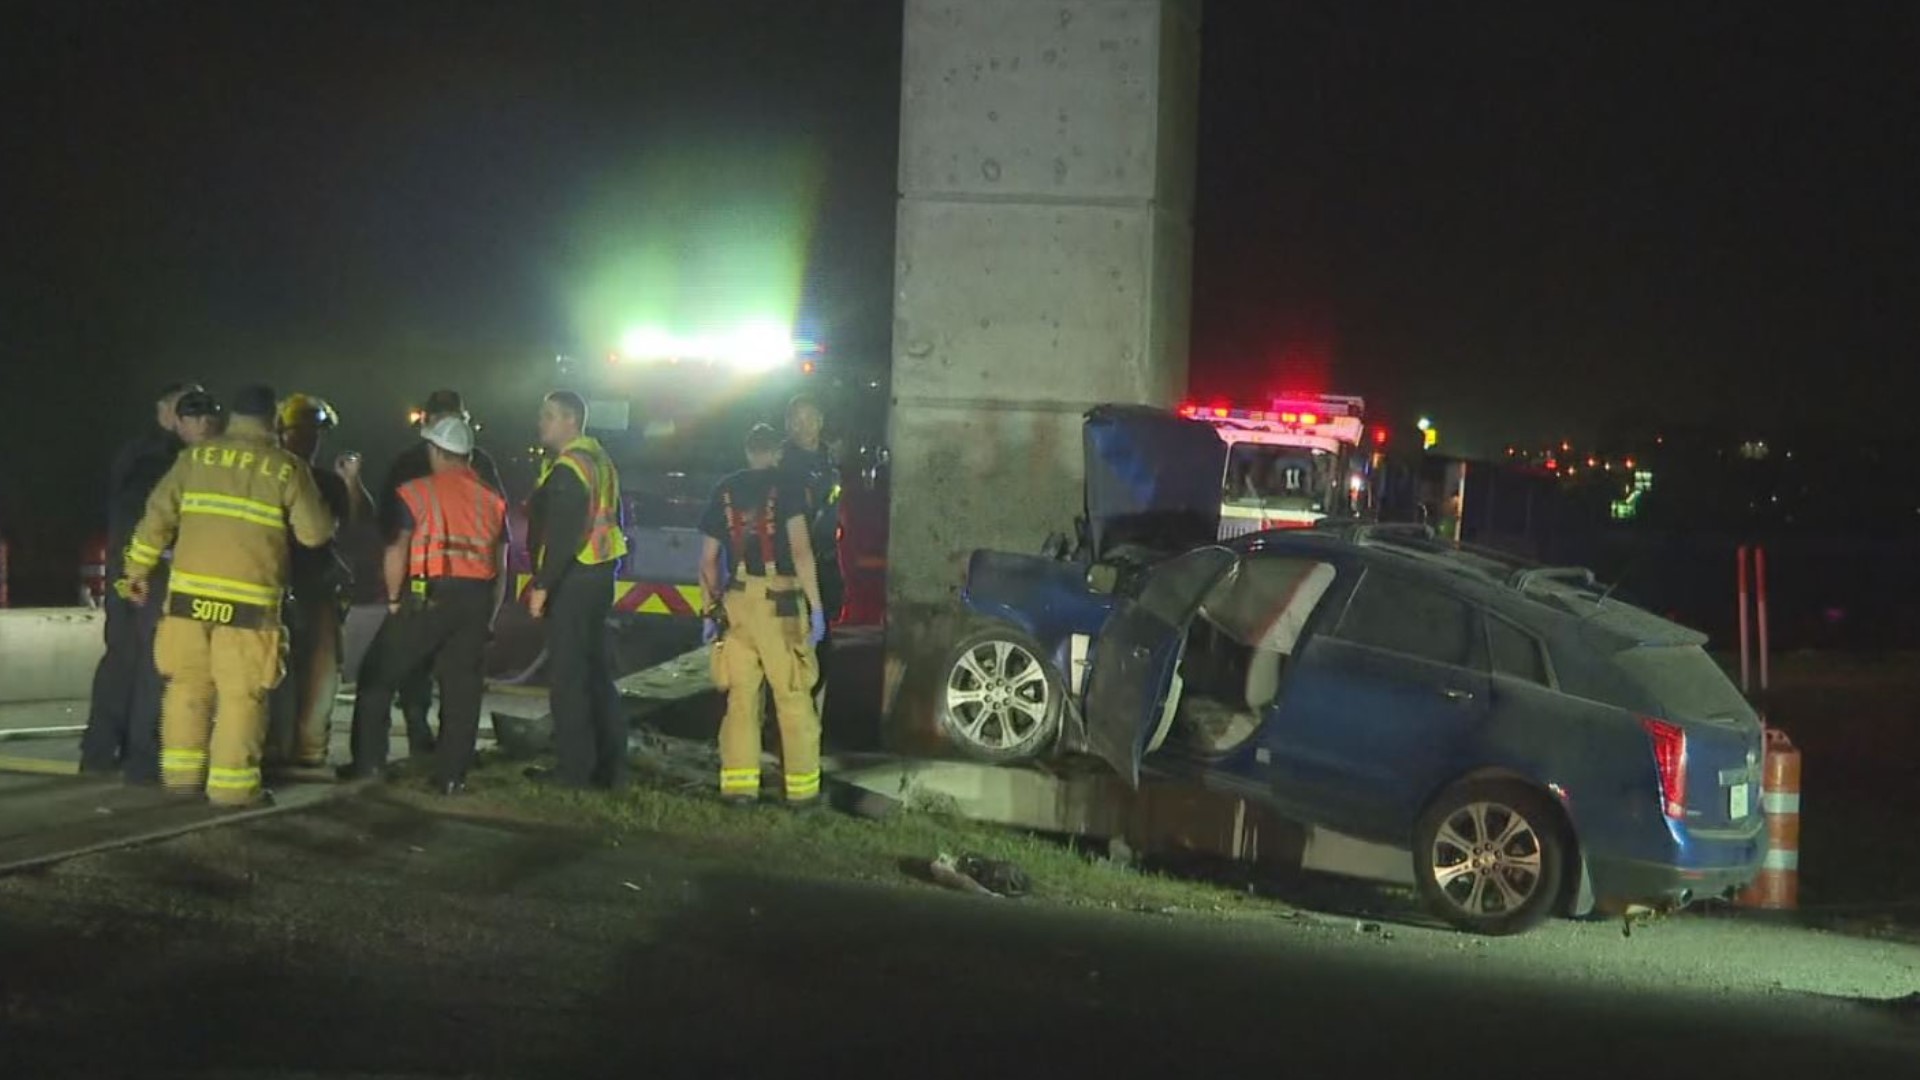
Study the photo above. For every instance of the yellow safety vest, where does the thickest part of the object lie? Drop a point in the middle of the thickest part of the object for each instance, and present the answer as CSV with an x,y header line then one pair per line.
x,y
604,542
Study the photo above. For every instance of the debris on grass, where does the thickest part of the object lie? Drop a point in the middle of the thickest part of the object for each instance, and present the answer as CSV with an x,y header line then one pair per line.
x,y
979,874
945,870
998,876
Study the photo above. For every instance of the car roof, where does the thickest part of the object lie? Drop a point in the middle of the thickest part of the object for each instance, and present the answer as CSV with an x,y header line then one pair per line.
x,y
1541,597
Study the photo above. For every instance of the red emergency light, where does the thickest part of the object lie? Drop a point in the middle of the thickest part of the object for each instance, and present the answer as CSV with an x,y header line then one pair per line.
x,y
1290,416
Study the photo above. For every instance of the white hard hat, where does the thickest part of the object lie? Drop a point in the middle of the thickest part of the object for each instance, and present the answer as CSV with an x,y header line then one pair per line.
x,y
450,433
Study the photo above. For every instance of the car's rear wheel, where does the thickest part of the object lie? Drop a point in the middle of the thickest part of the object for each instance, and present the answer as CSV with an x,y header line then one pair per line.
x,y
1000,699
1489,857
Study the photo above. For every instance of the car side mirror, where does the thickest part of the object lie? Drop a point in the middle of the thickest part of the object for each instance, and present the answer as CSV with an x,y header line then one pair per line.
x,y
1102,579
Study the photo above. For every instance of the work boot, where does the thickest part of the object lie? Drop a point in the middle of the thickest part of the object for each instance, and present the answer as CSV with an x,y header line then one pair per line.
x,y
349,773
739,802
806,807
450,787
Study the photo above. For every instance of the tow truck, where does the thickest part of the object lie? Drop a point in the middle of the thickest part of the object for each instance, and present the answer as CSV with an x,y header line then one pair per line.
x,y
1291,464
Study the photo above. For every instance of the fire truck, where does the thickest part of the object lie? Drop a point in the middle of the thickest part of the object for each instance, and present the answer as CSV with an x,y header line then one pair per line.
x,y
1291,464
673,418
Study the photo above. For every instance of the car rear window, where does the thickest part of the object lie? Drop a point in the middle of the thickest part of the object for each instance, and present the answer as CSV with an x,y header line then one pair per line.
x,y
1684,680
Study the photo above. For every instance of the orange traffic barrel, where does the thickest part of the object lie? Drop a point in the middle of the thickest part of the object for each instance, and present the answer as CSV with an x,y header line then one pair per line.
x,y
1778,886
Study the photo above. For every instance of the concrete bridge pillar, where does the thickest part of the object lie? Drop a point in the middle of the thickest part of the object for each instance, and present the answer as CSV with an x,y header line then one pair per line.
x,y
1042,267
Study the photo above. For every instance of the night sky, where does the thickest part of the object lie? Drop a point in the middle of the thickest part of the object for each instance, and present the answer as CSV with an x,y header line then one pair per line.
x,y
1523,219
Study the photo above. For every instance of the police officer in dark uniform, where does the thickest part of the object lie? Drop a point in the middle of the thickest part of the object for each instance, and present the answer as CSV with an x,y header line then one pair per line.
x,y
577,533
805,457
123,733
416,690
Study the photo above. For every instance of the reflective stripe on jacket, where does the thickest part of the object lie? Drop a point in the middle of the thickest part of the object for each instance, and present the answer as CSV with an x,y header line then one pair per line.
x,y
605,541
457,524
226,509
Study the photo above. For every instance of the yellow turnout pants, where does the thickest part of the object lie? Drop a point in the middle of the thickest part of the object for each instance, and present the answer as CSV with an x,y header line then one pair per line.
x,y
213,713
765,648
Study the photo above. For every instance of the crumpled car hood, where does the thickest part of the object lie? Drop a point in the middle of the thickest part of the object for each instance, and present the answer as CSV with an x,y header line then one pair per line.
x,y
1152,479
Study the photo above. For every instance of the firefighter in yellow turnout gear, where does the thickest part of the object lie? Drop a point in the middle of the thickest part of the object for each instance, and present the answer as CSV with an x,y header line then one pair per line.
x,y
226,508
300,711
773,618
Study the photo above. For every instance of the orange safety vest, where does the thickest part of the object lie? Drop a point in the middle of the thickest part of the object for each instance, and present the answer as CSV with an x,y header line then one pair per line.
x,y
457,522
605,541
762,523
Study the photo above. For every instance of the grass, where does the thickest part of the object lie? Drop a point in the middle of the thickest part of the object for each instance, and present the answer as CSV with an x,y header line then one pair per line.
x,y
841,846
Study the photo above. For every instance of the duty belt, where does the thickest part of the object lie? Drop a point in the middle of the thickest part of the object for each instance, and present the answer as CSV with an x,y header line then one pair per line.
x,y
424,588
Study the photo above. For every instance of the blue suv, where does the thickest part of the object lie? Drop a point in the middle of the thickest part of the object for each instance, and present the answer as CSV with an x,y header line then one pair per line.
x,y
1538,745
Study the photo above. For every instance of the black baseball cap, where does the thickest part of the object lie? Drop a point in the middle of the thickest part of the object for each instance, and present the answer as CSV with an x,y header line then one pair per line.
x,y
445,403
196,403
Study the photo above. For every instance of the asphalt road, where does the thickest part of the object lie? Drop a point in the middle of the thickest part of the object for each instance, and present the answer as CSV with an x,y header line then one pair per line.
x,y
367,938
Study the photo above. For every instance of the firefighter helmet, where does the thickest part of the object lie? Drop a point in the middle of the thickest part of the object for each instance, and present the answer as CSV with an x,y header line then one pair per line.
x,y
307,410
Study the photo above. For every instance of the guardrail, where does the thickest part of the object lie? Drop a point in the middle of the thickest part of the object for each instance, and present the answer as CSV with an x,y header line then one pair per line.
x,y
49,654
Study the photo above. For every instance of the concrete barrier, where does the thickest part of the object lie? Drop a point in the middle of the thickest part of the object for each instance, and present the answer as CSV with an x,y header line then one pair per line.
x,y
49,654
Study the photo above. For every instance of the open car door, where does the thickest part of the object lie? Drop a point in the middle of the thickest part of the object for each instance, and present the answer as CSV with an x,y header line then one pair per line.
x,y
1130,692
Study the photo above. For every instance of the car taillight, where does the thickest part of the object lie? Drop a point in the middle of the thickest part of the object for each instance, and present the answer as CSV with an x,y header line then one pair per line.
x,y
1670,757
